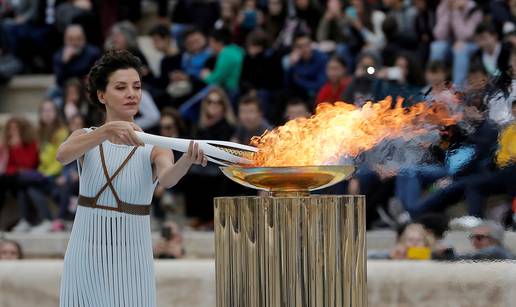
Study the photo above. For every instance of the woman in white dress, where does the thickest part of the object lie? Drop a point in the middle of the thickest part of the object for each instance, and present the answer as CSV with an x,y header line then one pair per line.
x,y
109,260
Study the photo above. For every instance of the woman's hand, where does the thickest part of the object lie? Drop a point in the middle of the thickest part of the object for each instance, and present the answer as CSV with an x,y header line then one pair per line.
x,y
122,132
194,155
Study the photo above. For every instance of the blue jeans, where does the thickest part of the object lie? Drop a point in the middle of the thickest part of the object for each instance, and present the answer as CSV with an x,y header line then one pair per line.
x,y
441,50
411,181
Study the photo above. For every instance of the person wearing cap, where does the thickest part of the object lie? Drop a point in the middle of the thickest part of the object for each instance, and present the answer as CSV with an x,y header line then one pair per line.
x,y
487,241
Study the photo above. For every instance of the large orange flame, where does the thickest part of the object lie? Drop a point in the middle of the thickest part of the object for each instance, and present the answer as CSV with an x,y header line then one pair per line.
x,y
344,130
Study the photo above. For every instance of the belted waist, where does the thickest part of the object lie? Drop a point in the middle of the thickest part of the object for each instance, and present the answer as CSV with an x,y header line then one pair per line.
x,y
122,206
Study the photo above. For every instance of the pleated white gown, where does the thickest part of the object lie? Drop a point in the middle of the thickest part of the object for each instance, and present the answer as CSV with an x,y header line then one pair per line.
x,y
109,260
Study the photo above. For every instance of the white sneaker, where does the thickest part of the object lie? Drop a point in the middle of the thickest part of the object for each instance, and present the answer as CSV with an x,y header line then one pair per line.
x,y
43,227
22,226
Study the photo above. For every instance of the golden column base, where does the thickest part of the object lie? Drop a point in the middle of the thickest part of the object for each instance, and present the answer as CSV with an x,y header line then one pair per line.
x,y
306,251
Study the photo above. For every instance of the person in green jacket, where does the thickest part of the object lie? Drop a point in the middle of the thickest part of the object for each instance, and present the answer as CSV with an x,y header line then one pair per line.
x,y
228,65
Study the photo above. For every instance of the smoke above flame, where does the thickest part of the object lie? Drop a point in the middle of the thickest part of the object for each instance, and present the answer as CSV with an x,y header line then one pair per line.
x,y
342,130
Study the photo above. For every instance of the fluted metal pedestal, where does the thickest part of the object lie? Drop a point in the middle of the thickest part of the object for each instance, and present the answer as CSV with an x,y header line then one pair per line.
x,y
306,251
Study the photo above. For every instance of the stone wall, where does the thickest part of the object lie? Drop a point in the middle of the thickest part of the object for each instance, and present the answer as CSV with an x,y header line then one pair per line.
x,y
191,283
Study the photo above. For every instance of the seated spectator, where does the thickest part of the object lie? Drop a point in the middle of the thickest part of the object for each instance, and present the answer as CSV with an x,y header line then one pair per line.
x,y
338,81
251,120
361,88
170,125
216,122
82,12
297,108
424,26
472,159
368,22
396,42
179,75
148,114
309,13
10,250
304,67
171,61
503,179
249,18
20,142
454,30
261,69
76,57
228,65
500,102
124,36
52,133
487,240
275,17
405,16
170,242
414,242
404,79
68,182
493,54
437,77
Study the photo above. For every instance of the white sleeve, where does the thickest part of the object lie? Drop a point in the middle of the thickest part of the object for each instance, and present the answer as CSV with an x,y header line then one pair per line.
x,y
149,112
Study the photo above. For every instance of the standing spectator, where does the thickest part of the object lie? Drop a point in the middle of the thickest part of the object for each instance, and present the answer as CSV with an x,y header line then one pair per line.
x,y
76,57
337,83
304,67
52,133
19,138
493,54
487,240
216,122
251,120
455,27
228,66
82,12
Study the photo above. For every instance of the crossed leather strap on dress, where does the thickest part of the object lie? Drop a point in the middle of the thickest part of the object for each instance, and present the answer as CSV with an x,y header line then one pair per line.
x,y
124,207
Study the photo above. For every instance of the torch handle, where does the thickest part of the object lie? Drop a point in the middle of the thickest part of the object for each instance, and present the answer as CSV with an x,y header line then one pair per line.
x,y
212,153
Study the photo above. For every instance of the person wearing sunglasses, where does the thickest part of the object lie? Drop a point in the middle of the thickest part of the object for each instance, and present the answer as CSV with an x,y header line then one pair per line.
x,y
487,240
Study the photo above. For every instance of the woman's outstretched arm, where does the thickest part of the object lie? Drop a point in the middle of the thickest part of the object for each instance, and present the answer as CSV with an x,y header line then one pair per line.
x,y
80,142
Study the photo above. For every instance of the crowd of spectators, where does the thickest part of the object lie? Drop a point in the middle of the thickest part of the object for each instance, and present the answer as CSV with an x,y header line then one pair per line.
x,y
233,69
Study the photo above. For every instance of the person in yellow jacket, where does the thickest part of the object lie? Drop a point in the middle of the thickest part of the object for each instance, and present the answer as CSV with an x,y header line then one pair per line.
x,y
503,179
52,132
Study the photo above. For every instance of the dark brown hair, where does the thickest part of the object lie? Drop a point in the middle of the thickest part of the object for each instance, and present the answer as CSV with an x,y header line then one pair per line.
x,y
110,62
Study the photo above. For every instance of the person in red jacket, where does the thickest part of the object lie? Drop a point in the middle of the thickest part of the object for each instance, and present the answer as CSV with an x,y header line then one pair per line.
x,y
22,151
338,81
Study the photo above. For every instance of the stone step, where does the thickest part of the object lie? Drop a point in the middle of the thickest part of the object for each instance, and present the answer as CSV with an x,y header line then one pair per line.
x,y
24,93
200,244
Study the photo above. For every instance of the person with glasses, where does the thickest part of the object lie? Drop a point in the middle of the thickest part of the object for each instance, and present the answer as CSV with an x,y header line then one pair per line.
x,y
487,242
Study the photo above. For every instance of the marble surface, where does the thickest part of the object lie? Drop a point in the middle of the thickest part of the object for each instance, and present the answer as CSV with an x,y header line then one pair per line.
x,y
191,283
